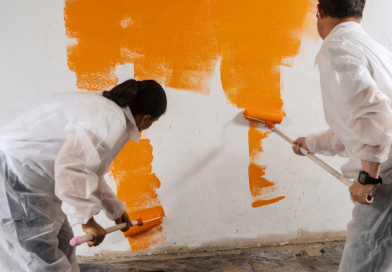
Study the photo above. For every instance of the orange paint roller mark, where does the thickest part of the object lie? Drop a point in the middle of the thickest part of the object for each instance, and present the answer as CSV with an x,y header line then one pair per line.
x,y
173,42
147,239
137,186
257,183
179,44
254,40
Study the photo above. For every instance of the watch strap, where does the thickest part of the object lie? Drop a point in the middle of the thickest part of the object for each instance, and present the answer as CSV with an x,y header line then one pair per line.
x,y
364,178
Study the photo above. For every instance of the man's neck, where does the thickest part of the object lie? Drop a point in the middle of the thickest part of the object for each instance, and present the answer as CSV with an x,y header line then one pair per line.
x,y
330,23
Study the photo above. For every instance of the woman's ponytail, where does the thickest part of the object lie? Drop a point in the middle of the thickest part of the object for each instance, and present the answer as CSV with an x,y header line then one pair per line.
x,y
123,94
145,97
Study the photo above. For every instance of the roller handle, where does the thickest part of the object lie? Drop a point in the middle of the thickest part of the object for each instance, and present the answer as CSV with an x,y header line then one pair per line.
x,y
78,240
311,156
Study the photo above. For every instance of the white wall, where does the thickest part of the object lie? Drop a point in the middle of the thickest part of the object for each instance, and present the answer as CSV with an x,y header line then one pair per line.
x,y
201,153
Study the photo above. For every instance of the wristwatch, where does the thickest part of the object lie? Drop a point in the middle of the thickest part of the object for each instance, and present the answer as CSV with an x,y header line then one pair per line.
x,y
365,179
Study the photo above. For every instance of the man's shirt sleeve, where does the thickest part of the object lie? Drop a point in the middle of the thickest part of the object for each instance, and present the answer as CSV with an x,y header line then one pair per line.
x,y
325,143
363,107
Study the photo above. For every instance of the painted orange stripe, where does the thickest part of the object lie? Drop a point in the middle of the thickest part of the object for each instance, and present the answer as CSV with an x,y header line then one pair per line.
x,y
137,185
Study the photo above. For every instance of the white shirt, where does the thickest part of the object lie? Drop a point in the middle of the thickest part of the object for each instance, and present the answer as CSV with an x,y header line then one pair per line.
x,y
70,140
356,86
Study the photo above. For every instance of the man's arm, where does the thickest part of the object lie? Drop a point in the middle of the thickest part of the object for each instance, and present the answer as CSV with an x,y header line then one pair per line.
x,y
365,110
325,143
373,168
360,192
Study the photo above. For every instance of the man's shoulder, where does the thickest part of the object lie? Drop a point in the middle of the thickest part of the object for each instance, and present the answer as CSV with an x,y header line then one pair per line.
x,y
343,45
344,50
354,42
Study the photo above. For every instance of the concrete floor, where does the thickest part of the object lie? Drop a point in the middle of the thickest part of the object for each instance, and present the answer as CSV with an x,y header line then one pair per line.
x,y
323,257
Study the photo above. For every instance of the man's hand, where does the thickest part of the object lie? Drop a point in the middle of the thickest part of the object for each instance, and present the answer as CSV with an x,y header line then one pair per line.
x,y
300,142
92,227
124,219
360,192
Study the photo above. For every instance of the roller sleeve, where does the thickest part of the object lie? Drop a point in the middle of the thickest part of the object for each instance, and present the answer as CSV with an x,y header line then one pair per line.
x,y
274,117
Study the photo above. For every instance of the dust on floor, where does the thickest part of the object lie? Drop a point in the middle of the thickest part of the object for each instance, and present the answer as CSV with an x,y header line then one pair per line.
x,y
294,258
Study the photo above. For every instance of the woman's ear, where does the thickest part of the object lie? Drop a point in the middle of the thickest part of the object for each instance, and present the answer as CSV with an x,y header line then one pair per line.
x,y
146,118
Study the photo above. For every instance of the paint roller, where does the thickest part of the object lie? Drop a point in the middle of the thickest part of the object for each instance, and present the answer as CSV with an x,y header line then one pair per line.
x,y
78,240
271,117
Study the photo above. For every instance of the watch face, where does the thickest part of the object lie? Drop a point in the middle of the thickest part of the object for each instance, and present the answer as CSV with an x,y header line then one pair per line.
x,y
362,178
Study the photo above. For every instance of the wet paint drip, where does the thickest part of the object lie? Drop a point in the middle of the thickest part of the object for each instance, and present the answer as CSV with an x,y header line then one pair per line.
x,y
136,186
179,43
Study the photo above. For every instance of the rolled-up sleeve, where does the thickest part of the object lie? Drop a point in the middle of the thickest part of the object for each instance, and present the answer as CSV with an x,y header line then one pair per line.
x,y
75,176
368,113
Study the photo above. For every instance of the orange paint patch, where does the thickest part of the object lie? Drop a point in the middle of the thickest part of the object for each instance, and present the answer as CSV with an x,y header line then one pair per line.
x,y
179,43
137,186
255,138
152,237
257,183
173,42
260,203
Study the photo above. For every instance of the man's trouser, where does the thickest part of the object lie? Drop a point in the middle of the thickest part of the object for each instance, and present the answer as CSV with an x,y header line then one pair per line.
x,y
369,235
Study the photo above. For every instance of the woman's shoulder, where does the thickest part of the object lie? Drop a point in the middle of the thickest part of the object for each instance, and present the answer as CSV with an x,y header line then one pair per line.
x,y
88,100
91,108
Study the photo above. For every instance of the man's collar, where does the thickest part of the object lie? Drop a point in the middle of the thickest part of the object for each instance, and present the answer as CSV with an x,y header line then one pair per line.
x,y
332,35
131,126
335,30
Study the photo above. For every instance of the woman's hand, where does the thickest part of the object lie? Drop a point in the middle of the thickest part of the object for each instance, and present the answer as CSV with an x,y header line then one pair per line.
x,y
300,142
124,219
92,227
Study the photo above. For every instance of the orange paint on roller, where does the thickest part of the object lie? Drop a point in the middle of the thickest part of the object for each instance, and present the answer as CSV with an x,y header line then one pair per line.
x,y
135,230
150,233
146,214
274,117
137,185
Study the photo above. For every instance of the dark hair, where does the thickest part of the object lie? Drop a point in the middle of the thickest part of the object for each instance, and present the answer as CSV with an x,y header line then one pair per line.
x,y
343,9
145,97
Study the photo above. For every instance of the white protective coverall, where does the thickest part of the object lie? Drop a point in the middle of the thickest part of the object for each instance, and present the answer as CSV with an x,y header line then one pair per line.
x,y
52,162
356,85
